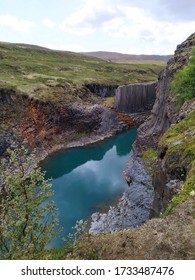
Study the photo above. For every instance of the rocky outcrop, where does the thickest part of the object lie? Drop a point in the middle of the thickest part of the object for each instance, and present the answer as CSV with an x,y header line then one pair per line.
x,y
102,90
170,171
133,208
173,175
6,96
164,112
158,239
135,98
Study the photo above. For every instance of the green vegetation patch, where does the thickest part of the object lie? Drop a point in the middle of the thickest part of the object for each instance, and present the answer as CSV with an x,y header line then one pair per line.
x,y
183,84
180,156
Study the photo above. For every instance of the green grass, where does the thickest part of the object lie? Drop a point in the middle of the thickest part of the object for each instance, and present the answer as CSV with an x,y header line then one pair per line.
x,y
183,83
27,67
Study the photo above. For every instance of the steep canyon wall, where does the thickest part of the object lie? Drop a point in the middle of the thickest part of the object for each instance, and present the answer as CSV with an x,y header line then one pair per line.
x,y
135,98
151,189
47,125
171,170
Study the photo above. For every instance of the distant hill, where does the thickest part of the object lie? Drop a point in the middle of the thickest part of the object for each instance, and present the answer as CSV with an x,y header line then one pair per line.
x,y
128,58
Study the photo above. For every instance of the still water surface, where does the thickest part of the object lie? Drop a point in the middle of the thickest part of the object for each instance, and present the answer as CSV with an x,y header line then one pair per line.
x,y
85,179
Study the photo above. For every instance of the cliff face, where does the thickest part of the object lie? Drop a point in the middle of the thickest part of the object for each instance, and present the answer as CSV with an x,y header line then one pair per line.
x,y
175,147
133,208
165,111
155,180
135,98
47,125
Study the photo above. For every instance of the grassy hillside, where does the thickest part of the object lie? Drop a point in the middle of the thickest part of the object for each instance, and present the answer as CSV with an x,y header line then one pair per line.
x,y
28,67
130,58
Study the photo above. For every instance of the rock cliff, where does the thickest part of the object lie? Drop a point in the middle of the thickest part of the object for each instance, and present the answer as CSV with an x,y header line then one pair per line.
x,y
165,111
171,168
133,208
154,182
102,90
135,98
163,156
48,126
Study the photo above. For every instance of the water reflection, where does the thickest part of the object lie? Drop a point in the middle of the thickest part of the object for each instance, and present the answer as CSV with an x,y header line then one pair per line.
x,y
84,178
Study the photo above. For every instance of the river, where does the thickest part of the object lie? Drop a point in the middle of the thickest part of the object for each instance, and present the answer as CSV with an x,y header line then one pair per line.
x,y
88,179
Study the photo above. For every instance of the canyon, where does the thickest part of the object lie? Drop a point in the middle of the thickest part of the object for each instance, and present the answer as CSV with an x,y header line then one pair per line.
x,y
49,126
159,168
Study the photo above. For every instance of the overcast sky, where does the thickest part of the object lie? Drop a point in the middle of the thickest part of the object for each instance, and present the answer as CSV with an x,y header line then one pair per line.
x,y
127,26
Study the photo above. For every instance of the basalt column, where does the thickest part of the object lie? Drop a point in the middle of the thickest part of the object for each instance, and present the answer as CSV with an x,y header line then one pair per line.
x,y
135,98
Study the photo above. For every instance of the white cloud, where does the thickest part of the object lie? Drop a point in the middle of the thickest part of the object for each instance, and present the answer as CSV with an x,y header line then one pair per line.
x,y
49,23
90,17
136,23
150,34
16,24
112,24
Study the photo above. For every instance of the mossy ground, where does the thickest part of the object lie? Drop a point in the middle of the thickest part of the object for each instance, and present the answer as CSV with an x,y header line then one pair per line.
x,y
183,83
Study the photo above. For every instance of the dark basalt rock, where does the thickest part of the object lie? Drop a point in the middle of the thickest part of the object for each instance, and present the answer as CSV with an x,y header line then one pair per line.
x,y
135,98
6,96
133,208
102,90
164,112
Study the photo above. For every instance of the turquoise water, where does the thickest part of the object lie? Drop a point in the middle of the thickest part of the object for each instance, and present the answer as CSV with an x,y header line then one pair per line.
x,y
86,179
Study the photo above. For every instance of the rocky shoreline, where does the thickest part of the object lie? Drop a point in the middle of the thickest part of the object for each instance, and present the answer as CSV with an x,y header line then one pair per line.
x,y
100,135
134,206
84,141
